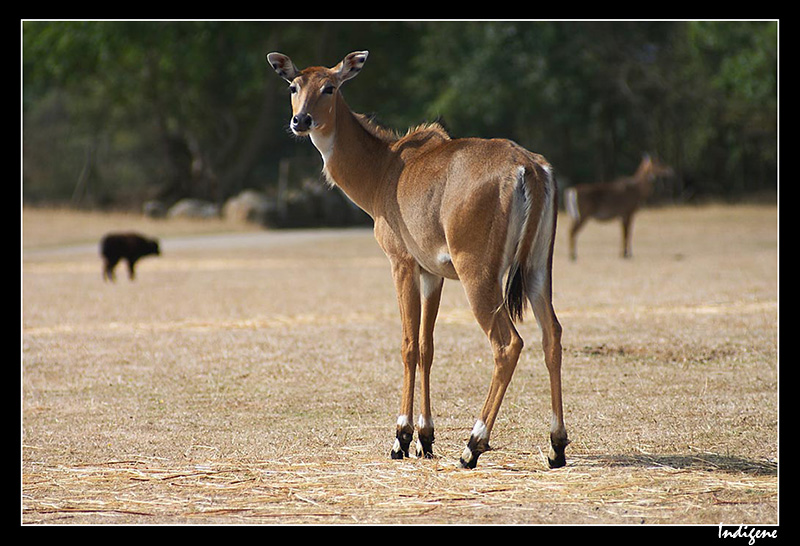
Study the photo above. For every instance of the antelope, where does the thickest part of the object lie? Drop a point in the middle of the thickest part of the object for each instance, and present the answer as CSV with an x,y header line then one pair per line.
x,y
479,211
618,199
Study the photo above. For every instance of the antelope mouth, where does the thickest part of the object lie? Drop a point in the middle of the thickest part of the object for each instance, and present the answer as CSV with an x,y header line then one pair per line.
x,y
304,131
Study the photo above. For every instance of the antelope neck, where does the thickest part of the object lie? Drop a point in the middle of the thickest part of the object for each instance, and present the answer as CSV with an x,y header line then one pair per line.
x,y
354,158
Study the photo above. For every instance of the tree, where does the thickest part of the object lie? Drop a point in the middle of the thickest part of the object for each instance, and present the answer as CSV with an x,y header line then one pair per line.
x,y
118,112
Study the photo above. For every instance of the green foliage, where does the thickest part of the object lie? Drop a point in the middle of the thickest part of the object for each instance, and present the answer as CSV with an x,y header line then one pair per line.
x,y
118,112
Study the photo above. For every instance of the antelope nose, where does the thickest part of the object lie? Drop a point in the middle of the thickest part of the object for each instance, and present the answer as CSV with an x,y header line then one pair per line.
x,y
301,122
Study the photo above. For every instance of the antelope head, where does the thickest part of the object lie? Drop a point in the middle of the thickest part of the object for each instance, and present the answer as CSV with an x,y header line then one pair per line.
x,y
653,168
313,90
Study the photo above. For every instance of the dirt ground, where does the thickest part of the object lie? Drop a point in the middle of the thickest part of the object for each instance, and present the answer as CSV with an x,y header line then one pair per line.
x,y
253,377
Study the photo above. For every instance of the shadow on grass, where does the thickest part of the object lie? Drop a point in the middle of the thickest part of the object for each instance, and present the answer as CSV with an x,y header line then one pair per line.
x,y
707,462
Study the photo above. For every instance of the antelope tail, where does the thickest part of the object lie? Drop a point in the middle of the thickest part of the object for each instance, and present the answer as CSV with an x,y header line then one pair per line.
x,y
535,223
571,198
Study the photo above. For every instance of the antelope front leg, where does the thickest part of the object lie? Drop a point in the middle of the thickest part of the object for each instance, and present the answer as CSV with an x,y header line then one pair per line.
x,y
626,236
431,296
406,279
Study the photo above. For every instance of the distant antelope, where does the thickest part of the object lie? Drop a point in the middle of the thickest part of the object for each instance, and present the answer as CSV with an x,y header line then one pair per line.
x,y
618,199
469,209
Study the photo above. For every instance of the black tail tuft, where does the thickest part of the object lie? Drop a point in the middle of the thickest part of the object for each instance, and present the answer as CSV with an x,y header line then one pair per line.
x,y
515,294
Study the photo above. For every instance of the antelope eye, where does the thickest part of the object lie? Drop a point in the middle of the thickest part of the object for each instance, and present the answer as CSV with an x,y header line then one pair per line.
x,y
328,89
292,89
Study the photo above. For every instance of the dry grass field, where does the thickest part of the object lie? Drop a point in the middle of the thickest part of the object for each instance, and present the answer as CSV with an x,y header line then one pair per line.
x,y
253,377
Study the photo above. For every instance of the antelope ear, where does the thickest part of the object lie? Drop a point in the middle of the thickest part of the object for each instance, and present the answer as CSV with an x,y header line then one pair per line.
x,y
283,65
350,66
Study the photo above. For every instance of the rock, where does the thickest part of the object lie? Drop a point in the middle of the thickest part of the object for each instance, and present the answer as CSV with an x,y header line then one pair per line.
x,y
249,206
154,209
193,208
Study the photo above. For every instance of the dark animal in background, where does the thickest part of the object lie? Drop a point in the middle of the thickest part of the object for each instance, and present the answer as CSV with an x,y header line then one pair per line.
x,y
129,246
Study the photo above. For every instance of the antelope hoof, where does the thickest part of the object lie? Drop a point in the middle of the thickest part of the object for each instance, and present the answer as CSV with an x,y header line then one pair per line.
x,y
401,443
425,446
469,458
557,458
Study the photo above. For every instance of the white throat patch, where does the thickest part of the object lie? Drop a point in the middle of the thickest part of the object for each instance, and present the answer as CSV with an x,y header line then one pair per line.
x,y
323,143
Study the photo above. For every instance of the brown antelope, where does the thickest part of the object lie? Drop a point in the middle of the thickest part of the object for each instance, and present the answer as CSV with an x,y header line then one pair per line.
x,y
469,209
618,199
